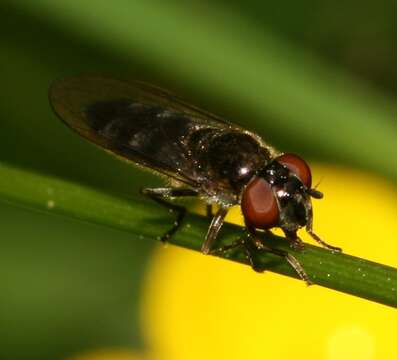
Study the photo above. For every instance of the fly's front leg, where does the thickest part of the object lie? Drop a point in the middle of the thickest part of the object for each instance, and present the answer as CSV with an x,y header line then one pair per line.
x,y
213,230
309,230
162,197
322,242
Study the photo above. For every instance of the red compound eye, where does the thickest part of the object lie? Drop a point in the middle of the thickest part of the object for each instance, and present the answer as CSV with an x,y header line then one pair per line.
x,y
259,205
298,166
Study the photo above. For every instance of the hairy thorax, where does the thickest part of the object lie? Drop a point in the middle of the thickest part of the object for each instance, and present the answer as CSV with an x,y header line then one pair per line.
x,y
228,159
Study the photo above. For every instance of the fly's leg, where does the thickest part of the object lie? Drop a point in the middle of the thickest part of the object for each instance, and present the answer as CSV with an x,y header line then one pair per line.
x,y
162,197
252,244
322,242
213,230
220,251
294,240
281,253
309,230
242,243
295,264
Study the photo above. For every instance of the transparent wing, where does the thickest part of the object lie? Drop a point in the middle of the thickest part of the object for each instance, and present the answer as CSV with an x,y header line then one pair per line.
x,y
134,120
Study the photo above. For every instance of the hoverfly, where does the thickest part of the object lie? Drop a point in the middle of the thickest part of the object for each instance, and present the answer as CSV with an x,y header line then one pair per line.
x,y
203,156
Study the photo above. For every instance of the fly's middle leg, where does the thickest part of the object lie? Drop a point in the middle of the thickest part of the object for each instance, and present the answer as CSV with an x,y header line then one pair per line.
x,y
163,196
252,245
295,241
295,264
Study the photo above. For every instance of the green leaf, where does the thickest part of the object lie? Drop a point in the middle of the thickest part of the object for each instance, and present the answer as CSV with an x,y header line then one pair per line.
x,y
340,272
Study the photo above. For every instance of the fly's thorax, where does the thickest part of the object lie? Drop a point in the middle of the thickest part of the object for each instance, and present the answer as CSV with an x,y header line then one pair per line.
x,y
228,158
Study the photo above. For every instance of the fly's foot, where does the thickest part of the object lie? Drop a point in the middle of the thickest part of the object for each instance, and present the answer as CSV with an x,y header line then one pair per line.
x,y
297,244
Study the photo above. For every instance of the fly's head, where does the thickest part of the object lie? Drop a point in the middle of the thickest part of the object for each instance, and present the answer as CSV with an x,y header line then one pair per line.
x,y
280,195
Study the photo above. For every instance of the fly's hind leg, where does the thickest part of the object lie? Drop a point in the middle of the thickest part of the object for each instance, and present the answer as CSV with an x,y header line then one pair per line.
x,y
162,196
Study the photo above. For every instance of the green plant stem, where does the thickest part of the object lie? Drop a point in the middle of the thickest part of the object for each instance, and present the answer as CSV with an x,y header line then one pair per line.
x,y
144,219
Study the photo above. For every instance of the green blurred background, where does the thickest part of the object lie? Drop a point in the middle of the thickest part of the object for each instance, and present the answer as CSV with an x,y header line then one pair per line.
x,y
314,77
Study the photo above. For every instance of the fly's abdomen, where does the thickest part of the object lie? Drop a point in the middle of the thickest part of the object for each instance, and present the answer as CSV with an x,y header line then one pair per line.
x,y
145,132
